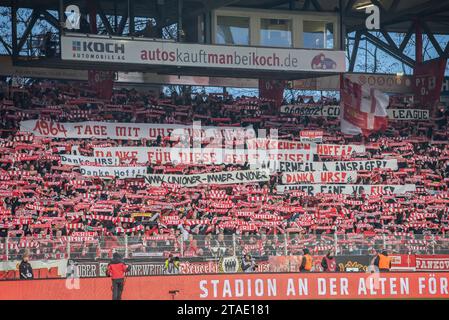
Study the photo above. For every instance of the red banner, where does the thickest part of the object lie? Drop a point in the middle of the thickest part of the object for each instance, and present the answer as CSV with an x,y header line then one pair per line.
x,y
272,90
432,262
102,82
315,136
261,286
403,262
427,81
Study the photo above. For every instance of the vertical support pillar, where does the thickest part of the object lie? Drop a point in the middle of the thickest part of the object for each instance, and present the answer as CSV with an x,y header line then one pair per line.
x,y
433,244
233,244
285,244
132,28
61,24
207,28
115,18
159,18
180,21
355,49
68,249
418,42
126,246
98,253
92,6
14,28
7,248
61,17
341,32
335,242
182,245
366,55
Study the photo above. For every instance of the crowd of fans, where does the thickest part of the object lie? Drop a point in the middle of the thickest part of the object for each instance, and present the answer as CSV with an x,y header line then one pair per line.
x,y
43,203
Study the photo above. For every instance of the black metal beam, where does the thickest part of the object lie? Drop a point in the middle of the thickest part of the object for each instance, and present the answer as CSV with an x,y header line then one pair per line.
x,y
50,19
394,52
388,38
61,17
132,24
407,37
341,15
432,39
115,18
14,28
180,21
355,49
159,22
26,33
104,19
7,48
122,24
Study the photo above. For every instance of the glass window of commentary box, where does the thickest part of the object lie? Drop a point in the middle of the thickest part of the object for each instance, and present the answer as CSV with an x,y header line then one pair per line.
x,y
276,32
232,30
318,35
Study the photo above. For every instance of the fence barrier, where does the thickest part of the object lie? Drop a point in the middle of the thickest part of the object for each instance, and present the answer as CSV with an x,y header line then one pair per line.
x,y
210,246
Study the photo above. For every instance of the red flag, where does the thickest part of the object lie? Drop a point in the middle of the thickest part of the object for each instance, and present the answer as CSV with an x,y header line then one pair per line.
x,y
363,109
272,90
428,80
102,82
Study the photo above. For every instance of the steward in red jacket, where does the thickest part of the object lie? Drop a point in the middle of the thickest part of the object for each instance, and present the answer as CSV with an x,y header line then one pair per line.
x,y
328,263
116,270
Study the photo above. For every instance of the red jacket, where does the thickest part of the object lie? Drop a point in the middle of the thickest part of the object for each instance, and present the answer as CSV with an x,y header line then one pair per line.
x,y
117,270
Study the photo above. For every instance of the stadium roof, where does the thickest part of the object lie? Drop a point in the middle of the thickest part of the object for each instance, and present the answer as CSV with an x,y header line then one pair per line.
x,y
396,15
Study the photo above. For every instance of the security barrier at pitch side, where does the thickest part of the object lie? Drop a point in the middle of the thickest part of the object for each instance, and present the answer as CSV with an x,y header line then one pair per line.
x,y
240,286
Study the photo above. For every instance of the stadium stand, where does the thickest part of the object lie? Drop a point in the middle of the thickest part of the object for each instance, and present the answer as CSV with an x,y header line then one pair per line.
x,y
46,204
